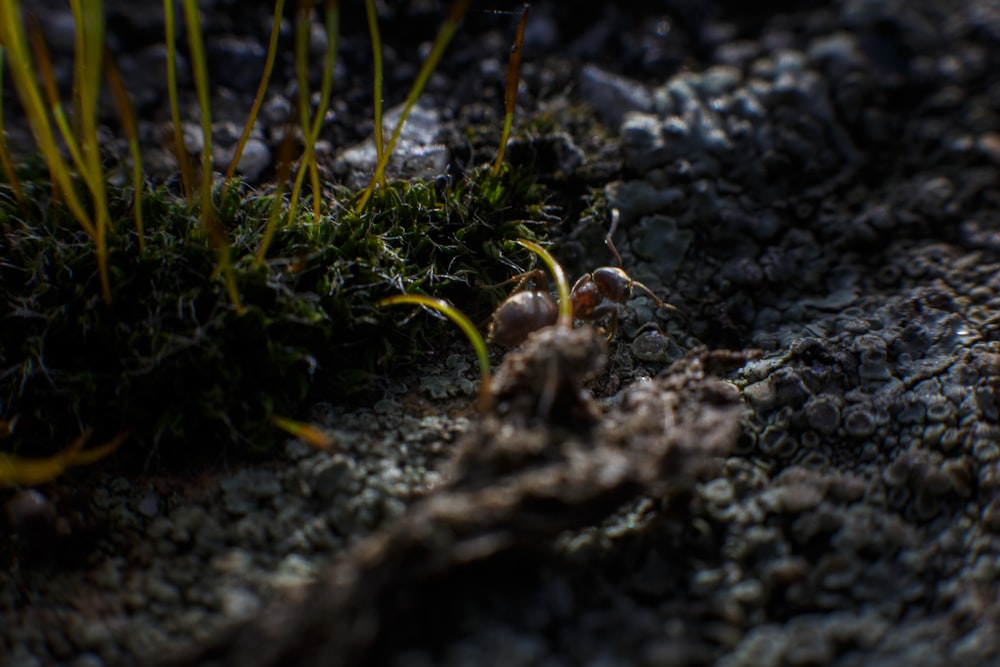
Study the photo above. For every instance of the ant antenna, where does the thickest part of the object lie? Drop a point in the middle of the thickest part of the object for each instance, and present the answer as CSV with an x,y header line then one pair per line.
x,y
615,215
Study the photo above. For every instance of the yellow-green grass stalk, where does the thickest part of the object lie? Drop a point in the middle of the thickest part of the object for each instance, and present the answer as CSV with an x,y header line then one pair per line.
x,y
210,224
258,100
170,34
5,160
303,15
199,67
510,97
35,109
376,39
89,57
127,112
51,92
562,284
456,13
312,129
467,327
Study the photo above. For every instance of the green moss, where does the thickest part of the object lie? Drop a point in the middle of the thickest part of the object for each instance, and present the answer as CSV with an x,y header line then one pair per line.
x,y
172,361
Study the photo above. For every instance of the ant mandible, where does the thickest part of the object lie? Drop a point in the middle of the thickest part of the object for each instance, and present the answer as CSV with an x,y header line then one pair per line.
x,y
595,296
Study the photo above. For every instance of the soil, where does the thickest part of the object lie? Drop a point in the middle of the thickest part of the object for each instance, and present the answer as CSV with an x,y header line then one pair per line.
x,y
802,469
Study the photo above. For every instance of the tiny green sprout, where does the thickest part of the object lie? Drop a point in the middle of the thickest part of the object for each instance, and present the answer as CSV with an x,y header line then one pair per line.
x,y
466,325
562,285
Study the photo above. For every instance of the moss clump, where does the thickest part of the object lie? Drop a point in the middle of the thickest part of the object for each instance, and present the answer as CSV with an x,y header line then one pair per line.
x,y
171,360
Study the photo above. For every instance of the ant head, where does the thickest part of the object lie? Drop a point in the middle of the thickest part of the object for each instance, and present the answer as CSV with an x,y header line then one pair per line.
x,y
587,296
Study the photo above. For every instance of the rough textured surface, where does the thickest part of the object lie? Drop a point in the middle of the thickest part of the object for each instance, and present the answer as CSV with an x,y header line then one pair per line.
x,y
816,181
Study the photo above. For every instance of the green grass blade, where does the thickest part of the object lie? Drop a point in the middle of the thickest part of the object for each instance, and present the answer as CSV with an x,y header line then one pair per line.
x,y
455,15
467,327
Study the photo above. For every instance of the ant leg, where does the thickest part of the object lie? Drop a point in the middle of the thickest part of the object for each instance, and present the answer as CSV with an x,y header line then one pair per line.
x,y
612,324
615,215
522,278
658,300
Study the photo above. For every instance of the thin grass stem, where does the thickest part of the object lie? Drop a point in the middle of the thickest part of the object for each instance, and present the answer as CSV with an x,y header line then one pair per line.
x,y
258,100
332,16
376,39
302,25
89,19
467,327
455,14
510,97
127,112
170,34
277,205
210,224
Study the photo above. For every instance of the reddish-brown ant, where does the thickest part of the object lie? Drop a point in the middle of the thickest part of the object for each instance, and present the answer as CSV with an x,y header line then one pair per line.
x,y
595,296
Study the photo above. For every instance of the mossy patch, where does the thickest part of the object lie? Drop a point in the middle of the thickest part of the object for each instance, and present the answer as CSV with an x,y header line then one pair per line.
x,y
172,361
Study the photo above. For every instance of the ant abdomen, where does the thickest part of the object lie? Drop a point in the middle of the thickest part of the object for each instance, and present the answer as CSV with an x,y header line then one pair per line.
x,y
520,315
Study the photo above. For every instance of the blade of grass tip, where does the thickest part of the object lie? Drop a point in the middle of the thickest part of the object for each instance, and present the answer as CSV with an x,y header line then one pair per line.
x,y
89,20
376,39
314,127
26,85
312,435
303,15
5,160
281,177
258,100
562,284
510,97
456,13
127,112
170,35
467,327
